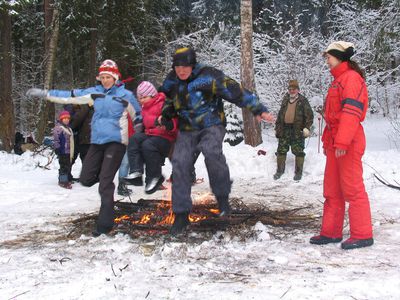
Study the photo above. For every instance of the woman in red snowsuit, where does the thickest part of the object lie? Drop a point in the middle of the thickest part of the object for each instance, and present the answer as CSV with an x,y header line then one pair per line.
x,y
344,144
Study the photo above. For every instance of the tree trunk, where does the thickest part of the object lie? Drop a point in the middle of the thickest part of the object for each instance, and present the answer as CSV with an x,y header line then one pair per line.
x,y
93,50
252,129
49,29
46,115
7,122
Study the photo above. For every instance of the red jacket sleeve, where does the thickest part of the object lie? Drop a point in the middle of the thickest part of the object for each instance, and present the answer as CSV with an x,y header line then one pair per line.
x,y
354,103
131,130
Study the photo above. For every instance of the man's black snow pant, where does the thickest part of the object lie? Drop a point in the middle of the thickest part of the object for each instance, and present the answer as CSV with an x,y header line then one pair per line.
x,y
209,142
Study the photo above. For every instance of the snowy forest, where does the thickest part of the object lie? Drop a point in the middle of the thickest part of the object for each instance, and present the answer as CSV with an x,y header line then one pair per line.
x,y
261,250
140,35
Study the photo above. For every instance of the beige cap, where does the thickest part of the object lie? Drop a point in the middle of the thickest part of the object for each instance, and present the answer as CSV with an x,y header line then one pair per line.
x,y
339,45
294,84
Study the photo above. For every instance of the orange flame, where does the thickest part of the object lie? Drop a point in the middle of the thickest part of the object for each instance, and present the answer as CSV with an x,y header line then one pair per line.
x,y
124,217
168,219
144,220
214,211
164,205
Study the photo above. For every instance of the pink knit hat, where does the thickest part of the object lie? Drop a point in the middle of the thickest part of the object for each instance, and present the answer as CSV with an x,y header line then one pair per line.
x,y
64,115
109,67
145,89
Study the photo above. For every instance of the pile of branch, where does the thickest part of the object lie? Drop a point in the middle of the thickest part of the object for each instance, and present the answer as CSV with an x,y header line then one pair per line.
x,y
241,215
285,222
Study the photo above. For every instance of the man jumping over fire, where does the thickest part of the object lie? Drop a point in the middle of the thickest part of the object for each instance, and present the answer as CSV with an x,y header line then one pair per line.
x,y
194,95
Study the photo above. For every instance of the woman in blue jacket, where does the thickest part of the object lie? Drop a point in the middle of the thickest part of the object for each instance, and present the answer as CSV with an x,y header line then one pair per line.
x,y
109,133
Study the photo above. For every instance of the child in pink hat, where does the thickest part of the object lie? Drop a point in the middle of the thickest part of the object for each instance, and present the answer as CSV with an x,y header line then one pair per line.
x,y
151,145
64,148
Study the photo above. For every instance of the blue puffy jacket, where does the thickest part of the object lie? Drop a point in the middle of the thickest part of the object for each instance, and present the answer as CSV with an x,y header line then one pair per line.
x,y
197,101
110,118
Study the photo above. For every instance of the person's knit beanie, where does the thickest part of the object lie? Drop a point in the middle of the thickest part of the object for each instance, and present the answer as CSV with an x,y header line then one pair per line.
x,y
341,50
294,84
146,89
184,57
109,67
64,115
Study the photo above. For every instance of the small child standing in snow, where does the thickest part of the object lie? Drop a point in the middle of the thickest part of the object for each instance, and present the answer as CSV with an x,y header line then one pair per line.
x,y
64,148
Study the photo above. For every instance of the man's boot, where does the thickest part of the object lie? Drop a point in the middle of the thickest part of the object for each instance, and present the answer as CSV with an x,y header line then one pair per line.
x,y
281,161
180,223
224,206
298,170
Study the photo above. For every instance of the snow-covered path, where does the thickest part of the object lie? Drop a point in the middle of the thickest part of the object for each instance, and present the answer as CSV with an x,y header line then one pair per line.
x,y
254,265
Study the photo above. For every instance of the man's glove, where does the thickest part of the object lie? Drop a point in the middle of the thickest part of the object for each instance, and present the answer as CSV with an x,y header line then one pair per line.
x,y
34,92
169,124
57,151
306,133
138,127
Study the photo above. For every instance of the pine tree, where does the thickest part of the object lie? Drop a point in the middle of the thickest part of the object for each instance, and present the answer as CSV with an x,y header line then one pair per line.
x,y
234,125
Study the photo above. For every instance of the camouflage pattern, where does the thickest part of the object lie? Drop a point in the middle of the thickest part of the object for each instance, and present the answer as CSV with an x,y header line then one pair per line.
x,y
197,102
289,139
303,117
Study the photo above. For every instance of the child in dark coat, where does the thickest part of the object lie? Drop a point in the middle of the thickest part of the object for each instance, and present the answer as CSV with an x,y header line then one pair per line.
x,y
152,146
64,148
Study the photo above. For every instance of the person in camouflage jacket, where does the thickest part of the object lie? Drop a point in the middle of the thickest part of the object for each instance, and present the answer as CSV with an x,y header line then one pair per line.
x,y
292,126
194,95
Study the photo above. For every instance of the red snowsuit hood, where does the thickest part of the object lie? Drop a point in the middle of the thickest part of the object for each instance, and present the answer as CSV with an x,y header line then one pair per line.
x,y
345,107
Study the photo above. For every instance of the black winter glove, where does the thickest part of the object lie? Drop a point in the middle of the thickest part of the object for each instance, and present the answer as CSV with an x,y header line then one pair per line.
x,y
169,125
57,151
138,127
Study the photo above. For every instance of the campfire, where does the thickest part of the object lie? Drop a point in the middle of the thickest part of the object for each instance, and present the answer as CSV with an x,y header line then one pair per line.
x,y
151,219
153,216
159,212
157,215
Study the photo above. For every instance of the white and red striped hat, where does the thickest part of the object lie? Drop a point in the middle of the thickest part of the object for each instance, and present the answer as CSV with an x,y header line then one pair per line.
x,y
109,67
146,89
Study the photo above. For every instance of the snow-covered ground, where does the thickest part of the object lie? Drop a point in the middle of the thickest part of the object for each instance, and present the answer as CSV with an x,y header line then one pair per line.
x,y
260,266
